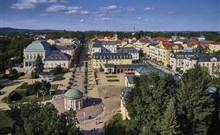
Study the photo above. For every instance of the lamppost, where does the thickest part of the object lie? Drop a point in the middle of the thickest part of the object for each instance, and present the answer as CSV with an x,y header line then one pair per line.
x,y
103,107
105,92
84,115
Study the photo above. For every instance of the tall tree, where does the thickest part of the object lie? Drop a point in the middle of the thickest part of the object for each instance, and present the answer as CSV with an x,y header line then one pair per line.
x,y
169,124
147,102
195,103
39,65
38,119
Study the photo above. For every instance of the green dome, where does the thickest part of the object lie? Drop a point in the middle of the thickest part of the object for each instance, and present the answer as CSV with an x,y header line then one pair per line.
x,y
38,45
73,93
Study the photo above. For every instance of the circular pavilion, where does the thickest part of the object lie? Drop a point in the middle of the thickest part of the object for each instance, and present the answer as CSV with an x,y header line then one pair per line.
x,y
73,98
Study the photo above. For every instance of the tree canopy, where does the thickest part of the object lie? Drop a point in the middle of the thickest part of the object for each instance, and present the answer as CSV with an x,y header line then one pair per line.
x,y
39,119
160,105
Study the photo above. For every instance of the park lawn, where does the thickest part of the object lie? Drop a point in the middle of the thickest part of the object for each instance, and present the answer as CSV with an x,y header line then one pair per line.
x,y
59,75
5,120
54,86
21,96
111,76
35,98
113,80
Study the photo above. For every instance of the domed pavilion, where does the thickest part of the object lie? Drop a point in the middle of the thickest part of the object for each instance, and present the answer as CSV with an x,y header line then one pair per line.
x,y
73,98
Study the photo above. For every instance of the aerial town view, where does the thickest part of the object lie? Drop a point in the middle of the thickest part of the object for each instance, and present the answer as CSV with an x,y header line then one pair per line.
x,y
109,67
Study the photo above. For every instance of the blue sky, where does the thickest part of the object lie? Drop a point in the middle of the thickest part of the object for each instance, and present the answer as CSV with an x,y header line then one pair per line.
x,y
112,15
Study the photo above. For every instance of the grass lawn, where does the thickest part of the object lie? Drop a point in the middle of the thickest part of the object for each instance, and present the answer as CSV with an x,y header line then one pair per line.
x,y
20,96
111,76
54,86
113,80
35,98
59,75
5,120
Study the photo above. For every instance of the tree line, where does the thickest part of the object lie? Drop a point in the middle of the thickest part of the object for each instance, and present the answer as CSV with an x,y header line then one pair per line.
x,y
160,105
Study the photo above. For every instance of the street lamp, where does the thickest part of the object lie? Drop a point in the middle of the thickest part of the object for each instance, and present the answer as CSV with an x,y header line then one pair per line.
x,y
105,92
84,115
103,107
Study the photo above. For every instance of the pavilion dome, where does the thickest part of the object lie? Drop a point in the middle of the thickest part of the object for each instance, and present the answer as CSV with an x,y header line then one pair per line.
x,y
73,93
38,45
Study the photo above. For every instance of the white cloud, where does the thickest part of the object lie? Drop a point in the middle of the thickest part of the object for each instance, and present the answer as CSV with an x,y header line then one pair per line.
x,y
101,15
67,9
71,12
55,8
43,14
110,7
105,19
82,20
84,12
28,4
148,9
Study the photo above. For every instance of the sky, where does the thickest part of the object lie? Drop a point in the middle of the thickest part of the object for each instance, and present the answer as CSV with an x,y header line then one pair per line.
x,y
112,15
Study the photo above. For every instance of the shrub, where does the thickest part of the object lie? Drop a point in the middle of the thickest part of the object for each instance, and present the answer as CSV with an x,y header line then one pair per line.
x,y
34,75
23,86
177,69
15,97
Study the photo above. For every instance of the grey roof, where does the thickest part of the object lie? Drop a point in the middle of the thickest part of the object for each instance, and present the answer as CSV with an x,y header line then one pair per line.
x,y
123,66
153,44
147,69
124,93
205,58
130,79
184,55
38,45
127,50
112,56
97,45
68,47
57,57
108,43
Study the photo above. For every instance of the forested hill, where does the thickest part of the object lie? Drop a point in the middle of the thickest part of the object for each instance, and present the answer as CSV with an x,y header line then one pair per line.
x,y
13,30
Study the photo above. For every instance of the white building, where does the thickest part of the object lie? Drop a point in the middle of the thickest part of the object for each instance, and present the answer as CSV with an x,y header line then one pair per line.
x,y
130,50
51,56
104,47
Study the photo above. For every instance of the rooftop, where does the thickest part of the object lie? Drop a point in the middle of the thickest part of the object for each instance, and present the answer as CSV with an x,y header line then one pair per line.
x,y
39,45
57,56
73,93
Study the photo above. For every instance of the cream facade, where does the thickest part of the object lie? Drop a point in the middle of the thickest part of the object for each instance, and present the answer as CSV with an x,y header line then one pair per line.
x,y
100,59
51,56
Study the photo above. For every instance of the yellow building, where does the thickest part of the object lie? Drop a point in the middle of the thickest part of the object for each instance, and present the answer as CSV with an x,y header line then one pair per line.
x,y
100,59
214,47
161,51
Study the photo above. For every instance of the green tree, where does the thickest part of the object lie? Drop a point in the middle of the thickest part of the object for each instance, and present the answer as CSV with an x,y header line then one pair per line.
x,y
39,65
169,124
45,87
147,102
195,103
39,119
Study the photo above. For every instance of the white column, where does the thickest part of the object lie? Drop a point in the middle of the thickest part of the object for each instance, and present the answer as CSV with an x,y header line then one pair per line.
x,y
79,106
74,105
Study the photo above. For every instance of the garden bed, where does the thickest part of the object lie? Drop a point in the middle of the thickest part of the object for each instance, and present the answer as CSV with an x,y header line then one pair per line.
x,y
113,80
111,76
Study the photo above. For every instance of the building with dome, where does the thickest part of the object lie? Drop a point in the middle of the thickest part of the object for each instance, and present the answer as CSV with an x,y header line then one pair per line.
x,y
52,56
73,98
